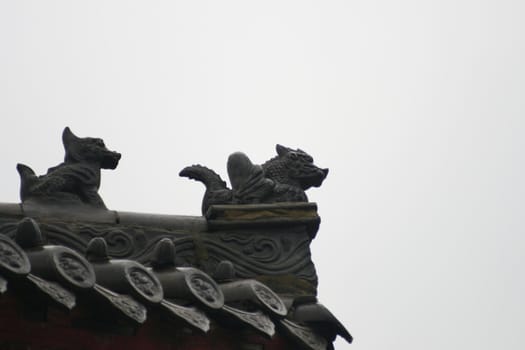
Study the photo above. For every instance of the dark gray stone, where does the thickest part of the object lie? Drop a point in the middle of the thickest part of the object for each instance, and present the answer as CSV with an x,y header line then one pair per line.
x,y
257,320
13,210
167,222
13,260
186,283
54,263
122,275
126,305
54,291
320,318
255,292
163,255
284,178
268,242
304,336
192,285
224,272
75,181
190,315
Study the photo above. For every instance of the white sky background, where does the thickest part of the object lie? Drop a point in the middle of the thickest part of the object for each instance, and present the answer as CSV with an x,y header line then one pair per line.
x,y
417,108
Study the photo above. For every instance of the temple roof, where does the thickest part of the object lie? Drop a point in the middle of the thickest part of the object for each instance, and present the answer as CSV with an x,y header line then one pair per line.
x,y
245,264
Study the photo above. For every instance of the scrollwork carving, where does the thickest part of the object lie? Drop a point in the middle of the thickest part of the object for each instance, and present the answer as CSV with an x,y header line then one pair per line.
x,y
144,282
269,298
271,260
12,258
306,335
259,253
261,248
191,315
127,305
73,267
258,320
204,288
9,257
120,243
55,291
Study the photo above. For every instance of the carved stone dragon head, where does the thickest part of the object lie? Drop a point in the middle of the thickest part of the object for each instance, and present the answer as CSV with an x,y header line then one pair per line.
x,y
294,167
88,149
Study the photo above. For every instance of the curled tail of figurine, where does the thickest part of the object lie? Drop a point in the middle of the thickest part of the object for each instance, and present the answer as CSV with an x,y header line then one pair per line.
x,y
27,179
208,177
216,190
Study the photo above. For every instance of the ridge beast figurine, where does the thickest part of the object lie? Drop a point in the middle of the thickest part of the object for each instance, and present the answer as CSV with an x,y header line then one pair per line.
x,y
284,178
76,180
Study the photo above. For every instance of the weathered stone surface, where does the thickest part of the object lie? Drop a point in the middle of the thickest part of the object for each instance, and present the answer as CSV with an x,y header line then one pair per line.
x,y
56,212
53,290
13,260
319,317
268,242
192,316
253,238
255,292
284,178
13,210
305,336
184,223
127,306
75,181
264,216
257,320
122,275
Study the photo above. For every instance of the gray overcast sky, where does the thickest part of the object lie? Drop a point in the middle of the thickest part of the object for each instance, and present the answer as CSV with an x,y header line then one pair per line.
x,y
417,108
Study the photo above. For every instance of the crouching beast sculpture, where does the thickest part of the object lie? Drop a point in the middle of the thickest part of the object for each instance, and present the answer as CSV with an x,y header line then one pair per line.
x,y
76,180
284,178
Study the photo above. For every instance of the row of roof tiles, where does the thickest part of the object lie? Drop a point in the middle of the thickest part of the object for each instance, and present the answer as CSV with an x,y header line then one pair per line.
x,y
186,295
